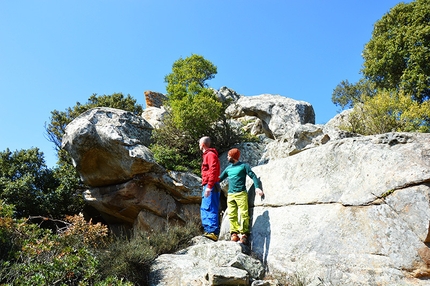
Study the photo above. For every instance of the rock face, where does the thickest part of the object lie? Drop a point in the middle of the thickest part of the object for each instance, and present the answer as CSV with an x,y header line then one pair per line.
x,y
227,94
154,112
154,99
206,263
149,201
276,112
338,207
300,138
108,146
109,151
353,212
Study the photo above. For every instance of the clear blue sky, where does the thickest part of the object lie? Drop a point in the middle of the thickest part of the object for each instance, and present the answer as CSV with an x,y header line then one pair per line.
x,y
56,53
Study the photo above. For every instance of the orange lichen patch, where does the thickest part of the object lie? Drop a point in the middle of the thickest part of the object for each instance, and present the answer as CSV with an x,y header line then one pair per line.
x,y
154,99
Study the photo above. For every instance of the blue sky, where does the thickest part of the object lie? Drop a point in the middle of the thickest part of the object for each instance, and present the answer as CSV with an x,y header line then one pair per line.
x,y
56,53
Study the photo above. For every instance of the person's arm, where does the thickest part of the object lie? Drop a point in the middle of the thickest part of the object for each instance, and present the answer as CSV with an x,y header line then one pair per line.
x,y
223,176
254,178
212,165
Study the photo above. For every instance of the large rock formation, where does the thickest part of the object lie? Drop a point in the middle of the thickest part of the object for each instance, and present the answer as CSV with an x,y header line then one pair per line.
x,y
338,207
154,112
109,146
354,211
109,150
351,212
277,113
206,263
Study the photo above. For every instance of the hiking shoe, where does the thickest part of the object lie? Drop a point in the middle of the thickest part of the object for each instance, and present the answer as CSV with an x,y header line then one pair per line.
x,y
234,237
211,236
243,239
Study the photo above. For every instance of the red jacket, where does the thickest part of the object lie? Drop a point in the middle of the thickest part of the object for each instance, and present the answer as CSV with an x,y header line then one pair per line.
x,y
210,168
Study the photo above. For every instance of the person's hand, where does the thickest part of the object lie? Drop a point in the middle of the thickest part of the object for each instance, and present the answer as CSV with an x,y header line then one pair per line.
x,y
207,192
259,192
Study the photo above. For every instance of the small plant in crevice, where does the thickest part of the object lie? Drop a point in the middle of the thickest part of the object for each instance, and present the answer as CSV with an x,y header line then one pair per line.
x,y
387,193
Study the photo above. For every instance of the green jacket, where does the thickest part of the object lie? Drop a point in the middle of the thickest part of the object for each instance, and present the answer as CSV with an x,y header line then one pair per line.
x,y
236,174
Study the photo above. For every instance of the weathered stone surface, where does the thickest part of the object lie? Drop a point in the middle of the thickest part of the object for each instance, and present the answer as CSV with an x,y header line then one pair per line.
x,y
207,263
154,116
340,119
251,265
300,138
277,113
227,94
171,269
349,209
250,152
154,112
228,276
352,171
149,200
354,211
126,185
154,99
108,146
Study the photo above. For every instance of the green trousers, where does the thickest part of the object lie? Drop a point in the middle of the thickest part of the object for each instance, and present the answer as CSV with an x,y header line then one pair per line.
x,y
238,215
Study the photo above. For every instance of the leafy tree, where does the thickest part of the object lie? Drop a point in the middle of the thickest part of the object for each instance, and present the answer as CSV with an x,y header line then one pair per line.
x,y
398,54
395,66
67,198
346,94
26,182
34,189
389,112
189,77
193,105
193,112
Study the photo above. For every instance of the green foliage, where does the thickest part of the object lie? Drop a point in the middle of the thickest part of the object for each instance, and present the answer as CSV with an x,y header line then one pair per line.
x,y
398,54
67,198
395,59
34,189
193,112
37,256
130,258
169,157
189,76
7,247
26,182
387,193
81,253
346,95
389,112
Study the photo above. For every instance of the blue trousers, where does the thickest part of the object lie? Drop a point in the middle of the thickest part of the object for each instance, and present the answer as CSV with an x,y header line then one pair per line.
x,y
209,211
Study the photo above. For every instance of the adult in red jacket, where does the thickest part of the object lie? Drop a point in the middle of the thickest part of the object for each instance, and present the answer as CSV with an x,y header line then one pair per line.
x,y
211,189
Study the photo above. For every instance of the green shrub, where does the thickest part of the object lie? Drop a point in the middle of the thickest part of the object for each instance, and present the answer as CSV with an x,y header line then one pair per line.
x,y
389,112
40,257
81,253
130,258
193,111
